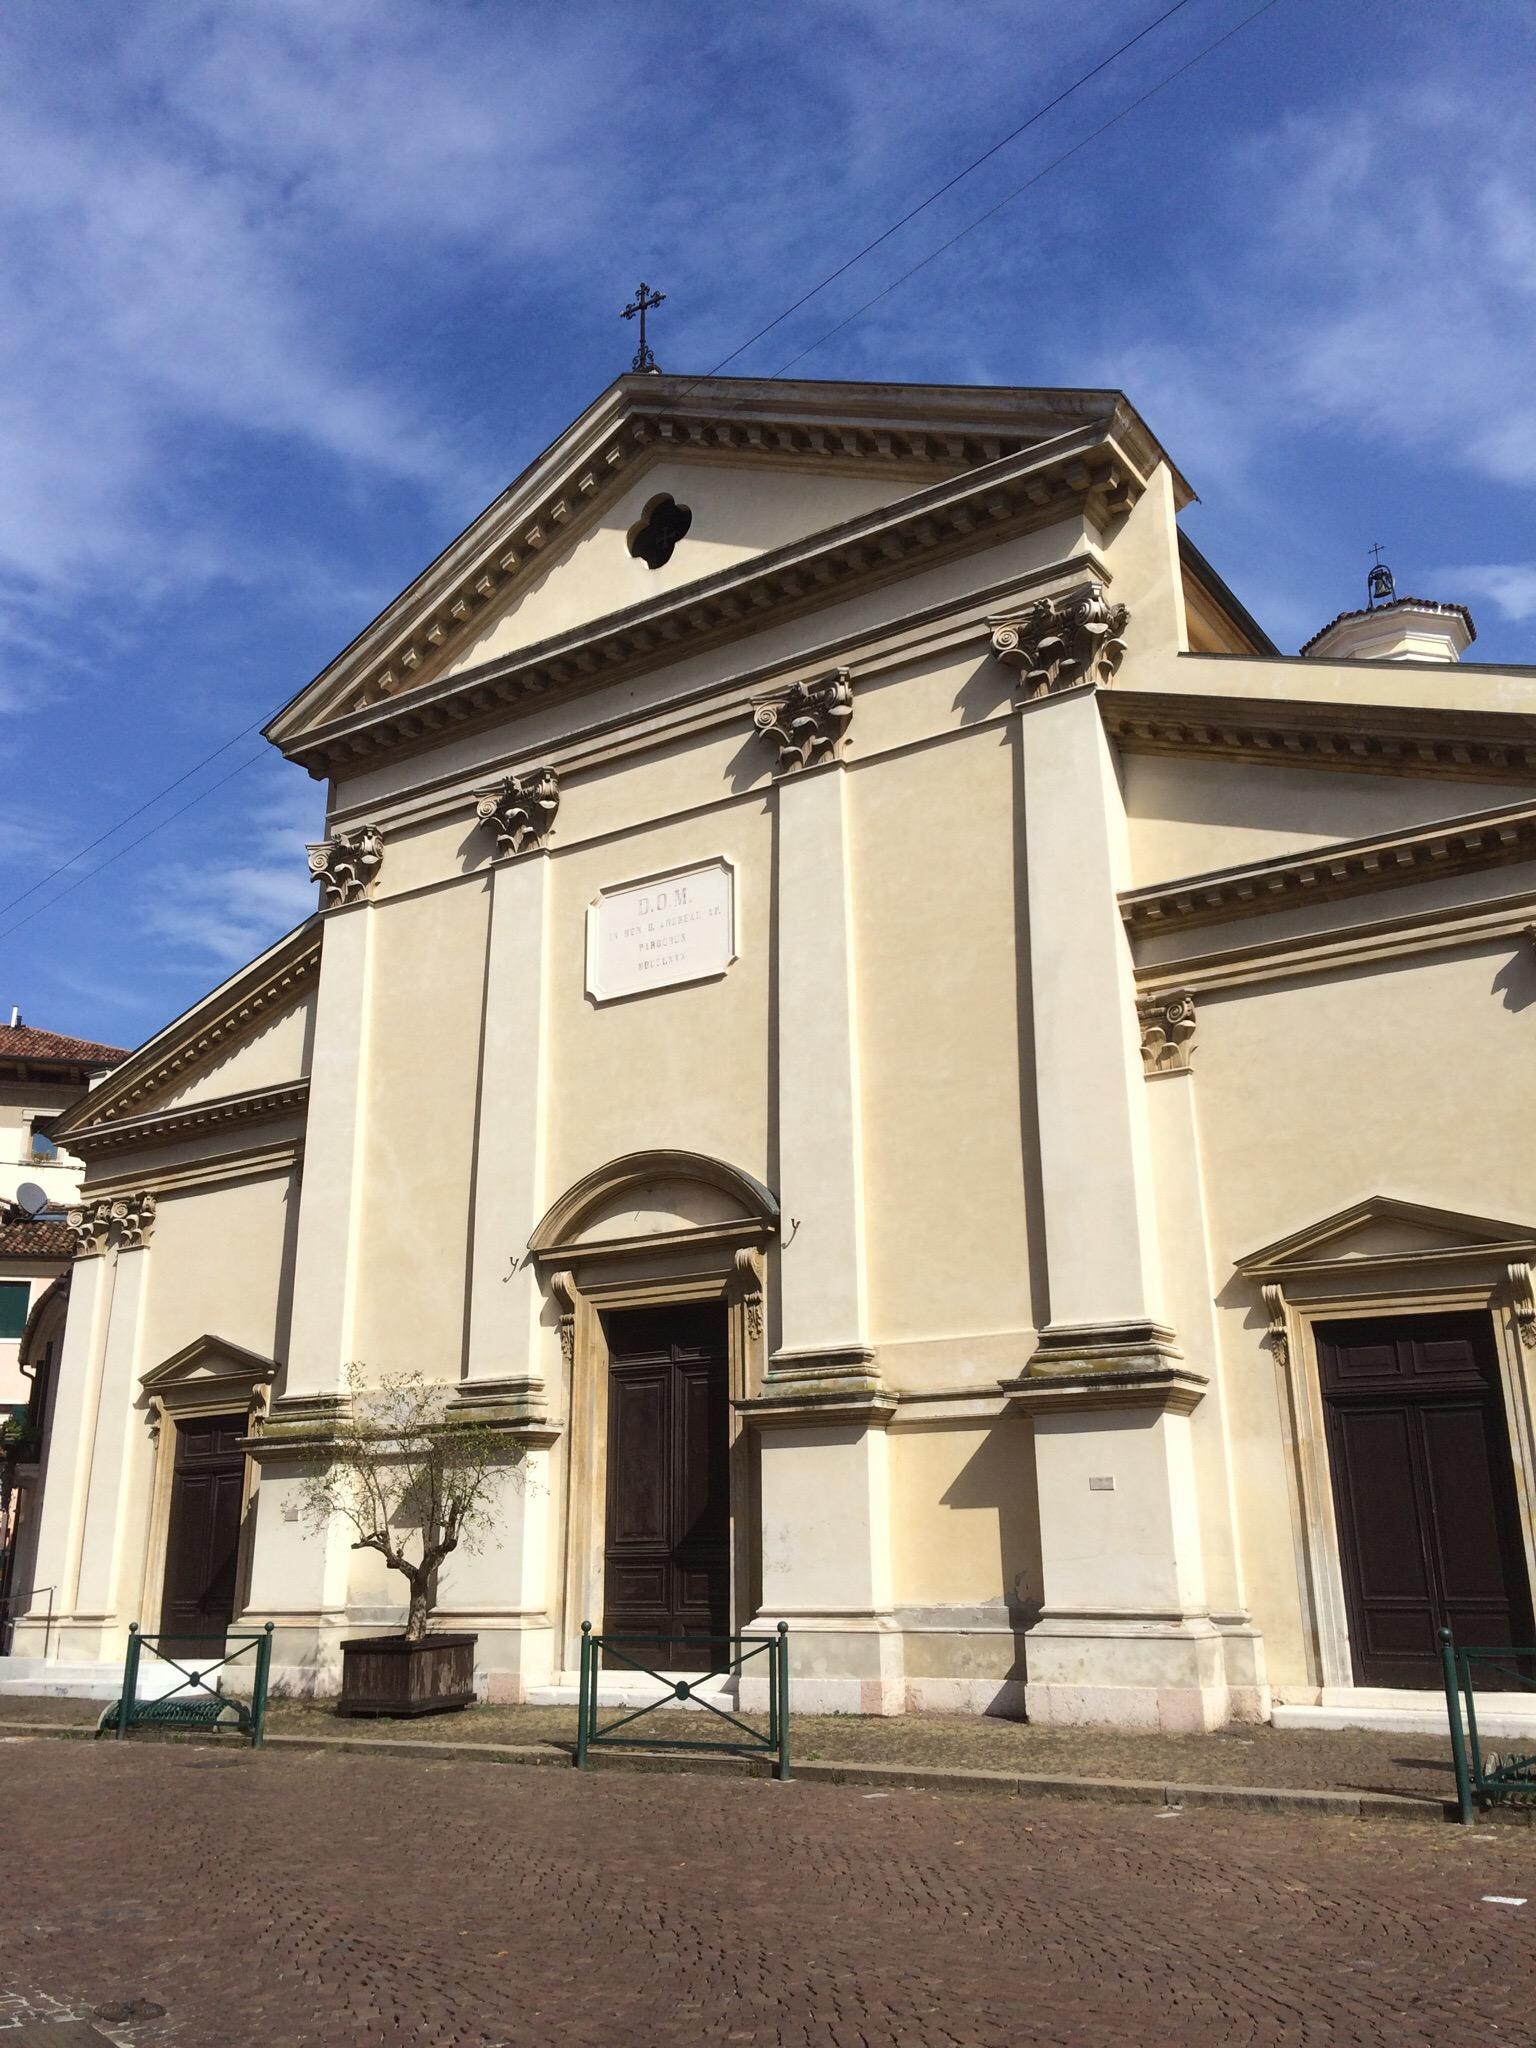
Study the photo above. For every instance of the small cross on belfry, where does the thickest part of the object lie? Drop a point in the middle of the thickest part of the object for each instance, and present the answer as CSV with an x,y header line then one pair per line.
x,y
645,301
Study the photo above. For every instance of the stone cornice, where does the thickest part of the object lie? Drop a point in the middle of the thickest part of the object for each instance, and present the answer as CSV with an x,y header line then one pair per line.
x,y
1361,738
1087,473
204,1033
1348,867
195,1119
902,430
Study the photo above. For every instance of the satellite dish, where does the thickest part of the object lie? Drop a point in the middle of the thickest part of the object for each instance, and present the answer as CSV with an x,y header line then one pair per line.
x,y
31,1199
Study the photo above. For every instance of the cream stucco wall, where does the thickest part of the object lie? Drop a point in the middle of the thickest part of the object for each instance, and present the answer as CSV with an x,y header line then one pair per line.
x,y
1190,817
1412,1082
219,1268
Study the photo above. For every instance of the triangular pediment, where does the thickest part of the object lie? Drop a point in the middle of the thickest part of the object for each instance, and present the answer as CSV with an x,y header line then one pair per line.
x,y
209,1364
760,466
1384,1231
246,1044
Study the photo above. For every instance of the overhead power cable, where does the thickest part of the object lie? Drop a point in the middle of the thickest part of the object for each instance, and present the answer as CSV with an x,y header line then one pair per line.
x,y
1019,190
948,186
127,819
159,826
831,278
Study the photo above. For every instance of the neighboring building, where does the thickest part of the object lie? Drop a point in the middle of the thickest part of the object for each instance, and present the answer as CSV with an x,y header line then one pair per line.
x,y
43,1073
938,1086
33,1247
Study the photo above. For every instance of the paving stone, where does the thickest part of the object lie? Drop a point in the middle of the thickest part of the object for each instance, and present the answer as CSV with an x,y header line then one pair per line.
x,y
361,1901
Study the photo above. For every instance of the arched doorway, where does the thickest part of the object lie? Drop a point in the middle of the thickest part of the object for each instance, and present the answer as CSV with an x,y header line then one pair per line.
x,y
655,1266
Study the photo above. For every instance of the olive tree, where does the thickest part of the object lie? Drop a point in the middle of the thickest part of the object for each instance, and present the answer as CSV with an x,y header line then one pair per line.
x,y
414,1481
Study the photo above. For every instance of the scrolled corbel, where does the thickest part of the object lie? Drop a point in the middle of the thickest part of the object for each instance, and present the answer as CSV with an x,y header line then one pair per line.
x,y
1278,1337
1522,1291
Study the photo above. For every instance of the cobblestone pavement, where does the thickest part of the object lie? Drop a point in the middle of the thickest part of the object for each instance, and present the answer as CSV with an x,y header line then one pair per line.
x,y
351,1900
1353,1760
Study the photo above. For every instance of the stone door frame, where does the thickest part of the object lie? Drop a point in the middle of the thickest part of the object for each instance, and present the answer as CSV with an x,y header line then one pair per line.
x,y
586,1274
1301,1289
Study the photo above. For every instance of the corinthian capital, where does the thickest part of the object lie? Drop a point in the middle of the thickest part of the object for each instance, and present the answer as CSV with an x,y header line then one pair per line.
x,y
125,1222
345,865
1167,1031
520,810
1060,641
809,723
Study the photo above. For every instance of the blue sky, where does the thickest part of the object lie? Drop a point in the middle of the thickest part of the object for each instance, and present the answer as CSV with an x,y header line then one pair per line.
x,y
288,293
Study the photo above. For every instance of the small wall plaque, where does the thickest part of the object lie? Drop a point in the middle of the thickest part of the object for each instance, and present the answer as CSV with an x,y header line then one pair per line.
x,y
662,931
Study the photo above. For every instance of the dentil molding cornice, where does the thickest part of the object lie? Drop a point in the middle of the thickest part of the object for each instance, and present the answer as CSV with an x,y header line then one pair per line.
x,y
1083,474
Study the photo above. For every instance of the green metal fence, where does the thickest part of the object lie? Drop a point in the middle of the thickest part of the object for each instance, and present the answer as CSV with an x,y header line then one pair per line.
x,y
741,1651
196,1702
1485,1775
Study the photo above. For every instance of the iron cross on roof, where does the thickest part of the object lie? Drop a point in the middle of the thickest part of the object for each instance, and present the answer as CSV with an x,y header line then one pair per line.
x,y
645,301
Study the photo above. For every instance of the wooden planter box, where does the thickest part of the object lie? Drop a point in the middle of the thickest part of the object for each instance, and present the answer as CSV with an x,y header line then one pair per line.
x,y
389,1675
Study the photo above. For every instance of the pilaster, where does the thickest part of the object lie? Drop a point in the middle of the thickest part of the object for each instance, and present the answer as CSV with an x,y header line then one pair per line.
x,y
821,1414
330,1198
503,1366
1125,1635
1170,1028
822,1287
1095,1156
120,1437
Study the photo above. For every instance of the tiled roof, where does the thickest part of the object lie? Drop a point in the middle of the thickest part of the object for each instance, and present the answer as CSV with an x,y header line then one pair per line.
x,y
44,1239
1422,604
25,1042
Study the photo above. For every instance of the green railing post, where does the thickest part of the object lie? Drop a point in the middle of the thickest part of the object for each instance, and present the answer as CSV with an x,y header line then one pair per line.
x,y
259,1702
581,1696
780,1676
130,1681
1468,1813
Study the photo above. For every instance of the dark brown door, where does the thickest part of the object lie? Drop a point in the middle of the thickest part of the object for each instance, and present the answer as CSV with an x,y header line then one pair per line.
x,y
668,1556
1424,1488
203,1542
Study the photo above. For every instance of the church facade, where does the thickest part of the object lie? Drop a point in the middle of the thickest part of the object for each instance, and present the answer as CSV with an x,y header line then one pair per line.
x,y
934,1085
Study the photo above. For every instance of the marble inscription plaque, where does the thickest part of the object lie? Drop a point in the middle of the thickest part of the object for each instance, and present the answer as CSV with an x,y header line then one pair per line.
x,y
663,931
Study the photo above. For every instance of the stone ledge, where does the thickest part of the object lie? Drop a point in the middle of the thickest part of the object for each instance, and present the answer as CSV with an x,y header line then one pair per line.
x,y
1292,1800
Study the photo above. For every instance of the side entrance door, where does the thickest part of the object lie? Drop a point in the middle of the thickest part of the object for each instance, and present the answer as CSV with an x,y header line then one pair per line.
x,y
203,1541
1424,1490
668,1549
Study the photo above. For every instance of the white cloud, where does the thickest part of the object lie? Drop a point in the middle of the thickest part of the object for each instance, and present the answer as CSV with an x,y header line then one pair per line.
x,y
214,914
1511,586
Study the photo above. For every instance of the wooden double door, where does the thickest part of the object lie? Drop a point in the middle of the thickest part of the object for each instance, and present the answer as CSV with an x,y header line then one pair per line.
x,y
1424,1489
202,1551
667,1557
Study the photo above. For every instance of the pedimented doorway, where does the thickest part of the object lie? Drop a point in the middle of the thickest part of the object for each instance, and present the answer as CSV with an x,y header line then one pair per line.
x,y
667,1549
1424,1491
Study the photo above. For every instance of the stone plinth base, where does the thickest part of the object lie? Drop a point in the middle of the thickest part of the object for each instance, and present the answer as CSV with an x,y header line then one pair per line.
x,y
1126,1672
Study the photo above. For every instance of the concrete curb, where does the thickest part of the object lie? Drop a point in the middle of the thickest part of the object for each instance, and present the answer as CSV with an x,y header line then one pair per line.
x,y
1156,1792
